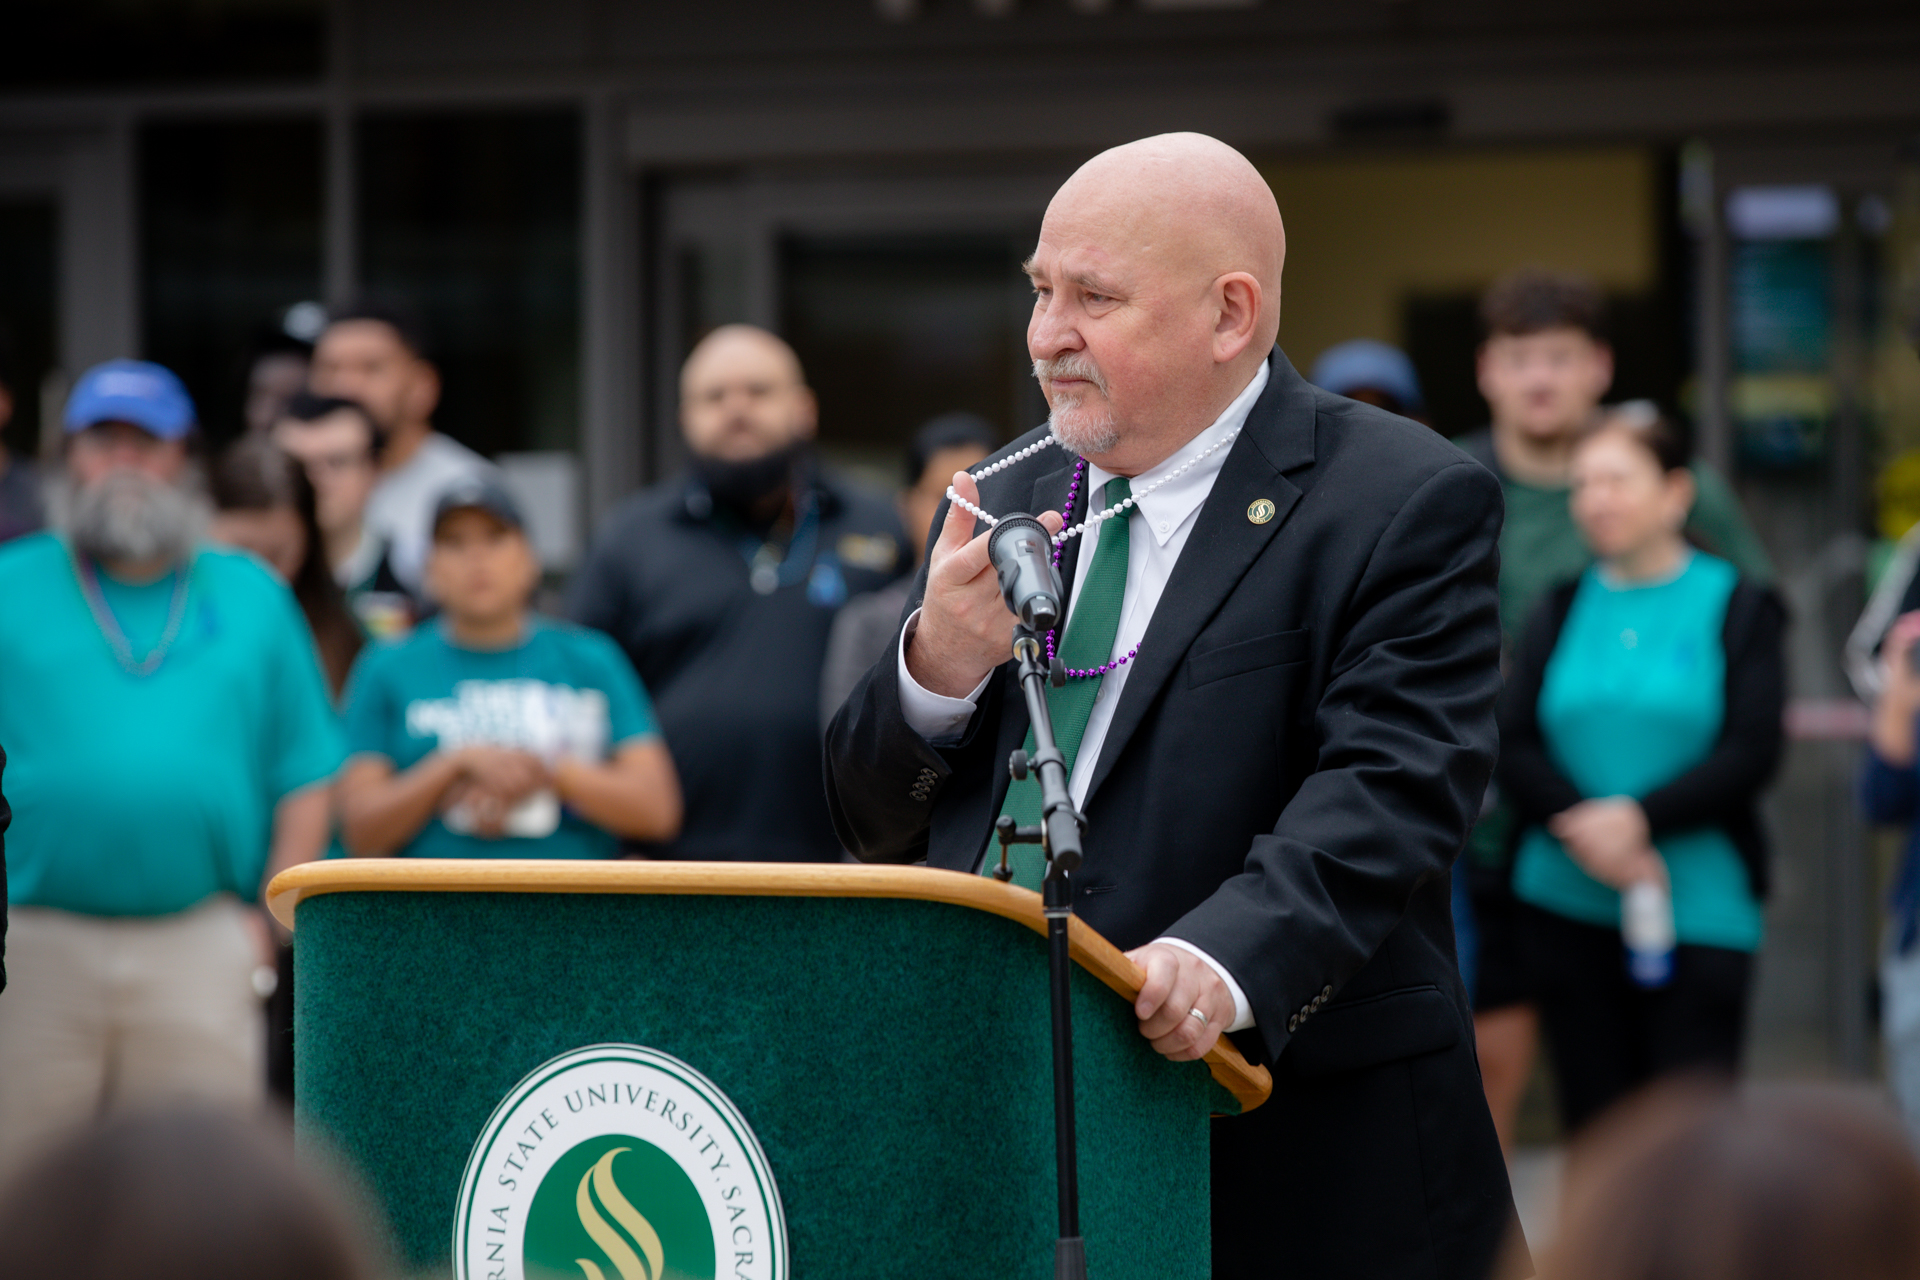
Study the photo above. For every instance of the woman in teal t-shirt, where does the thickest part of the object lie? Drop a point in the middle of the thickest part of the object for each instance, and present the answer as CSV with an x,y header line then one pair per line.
x,y
1642,717
493,733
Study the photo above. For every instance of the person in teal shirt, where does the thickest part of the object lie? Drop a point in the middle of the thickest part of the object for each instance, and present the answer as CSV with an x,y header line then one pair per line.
x,y
1544,368
1642,718
169,738
491,732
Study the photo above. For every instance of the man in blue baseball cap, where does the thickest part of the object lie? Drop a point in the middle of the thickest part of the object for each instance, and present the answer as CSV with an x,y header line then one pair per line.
x,y
128,427
1371,372
167,731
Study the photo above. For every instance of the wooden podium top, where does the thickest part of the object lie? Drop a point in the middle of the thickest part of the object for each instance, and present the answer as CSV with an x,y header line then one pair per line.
x,y
1248,1083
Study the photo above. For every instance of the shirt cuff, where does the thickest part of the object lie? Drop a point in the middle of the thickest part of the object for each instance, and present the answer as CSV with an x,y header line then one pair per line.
x,y
941,720
1242,1011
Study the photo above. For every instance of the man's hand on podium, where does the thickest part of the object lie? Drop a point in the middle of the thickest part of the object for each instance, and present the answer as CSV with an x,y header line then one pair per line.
x,y
1179,982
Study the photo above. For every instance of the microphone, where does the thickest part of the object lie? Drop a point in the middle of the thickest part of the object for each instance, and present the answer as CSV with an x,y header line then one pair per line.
x,y
1019,548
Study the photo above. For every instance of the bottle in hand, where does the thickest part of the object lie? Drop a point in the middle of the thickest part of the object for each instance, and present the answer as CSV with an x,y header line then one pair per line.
x,y
1646,924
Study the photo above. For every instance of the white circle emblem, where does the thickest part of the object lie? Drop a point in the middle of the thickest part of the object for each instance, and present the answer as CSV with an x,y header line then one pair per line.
x,y
618,1162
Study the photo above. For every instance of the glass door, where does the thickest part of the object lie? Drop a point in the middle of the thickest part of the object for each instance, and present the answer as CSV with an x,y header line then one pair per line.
x,y
1818,411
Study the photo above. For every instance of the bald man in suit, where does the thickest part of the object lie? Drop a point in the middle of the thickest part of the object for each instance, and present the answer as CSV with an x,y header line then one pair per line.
x,y
1287,633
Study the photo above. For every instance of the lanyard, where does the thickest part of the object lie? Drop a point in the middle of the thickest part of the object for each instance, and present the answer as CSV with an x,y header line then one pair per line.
x,y
771,566
115,635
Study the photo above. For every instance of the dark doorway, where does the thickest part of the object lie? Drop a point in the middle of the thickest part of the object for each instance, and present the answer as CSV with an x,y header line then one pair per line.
x,y
474,222
230,219
893,330
28,252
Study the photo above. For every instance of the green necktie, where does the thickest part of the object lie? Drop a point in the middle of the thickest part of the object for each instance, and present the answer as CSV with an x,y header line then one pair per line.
x,y
1087,646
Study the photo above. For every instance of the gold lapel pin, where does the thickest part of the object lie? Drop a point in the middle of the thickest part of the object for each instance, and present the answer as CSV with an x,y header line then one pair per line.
x,y
1261,510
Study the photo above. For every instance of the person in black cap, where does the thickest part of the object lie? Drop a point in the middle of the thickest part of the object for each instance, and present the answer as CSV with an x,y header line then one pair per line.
x,y
492,732
722,585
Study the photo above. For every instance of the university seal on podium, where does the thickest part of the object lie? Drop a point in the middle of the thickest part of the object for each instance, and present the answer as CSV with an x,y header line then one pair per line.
x,y
618,1162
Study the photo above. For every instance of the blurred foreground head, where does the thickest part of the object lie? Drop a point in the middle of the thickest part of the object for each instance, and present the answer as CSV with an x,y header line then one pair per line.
x,y
1772,1184
178,1196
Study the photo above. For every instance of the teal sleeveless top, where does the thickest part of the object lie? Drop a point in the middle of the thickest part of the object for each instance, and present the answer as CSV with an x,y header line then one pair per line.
x,y
1634,696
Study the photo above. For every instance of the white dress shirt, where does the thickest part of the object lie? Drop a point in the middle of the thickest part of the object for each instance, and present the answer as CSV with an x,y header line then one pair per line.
x,y
1157,530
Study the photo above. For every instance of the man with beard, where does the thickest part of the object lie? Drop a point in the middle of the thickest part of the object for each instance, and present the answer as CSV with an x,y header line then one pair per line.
x,y
1282,647
722,587
1543,368
169,742
376,355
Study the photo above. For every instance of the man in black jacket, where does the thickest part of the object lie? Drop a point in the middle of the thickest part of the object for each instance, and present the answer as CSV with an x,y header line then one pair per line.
x,y
1285,644
722,585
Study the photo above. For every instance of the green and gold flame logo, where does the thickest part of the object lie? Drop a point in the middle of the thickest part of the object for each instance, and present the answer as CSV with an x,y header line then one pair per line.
x,y
645,1239
618,1208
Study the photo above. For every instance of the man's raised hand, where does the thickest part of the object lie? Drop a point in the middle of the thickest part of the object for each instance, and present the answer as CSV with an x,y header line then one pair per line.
x,y
965,629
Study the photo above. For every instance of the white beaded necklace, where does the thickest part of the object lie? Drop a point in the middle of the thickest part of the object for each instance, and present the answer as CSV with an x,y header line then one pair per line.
x,y
1061,538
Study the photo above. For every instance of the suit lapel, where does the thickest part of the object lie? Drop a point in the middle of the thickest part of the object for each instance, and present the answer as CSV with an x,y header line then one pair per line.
x,y
1278,437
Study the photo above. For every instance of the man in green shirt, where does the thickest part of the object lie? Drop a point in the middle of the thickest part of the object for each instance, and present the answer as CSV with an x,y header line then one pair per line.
x,y
1544,367
491,732
170,742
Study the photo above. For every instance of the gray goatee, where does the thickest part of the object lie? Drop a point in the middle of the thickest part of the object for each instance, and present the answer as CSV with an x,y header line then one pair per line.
x,y
1077,427
127,516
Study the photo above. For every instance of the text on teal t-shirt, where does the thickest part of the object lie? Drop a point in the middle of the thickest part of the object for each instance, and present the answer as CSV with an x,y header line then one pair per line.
x,y
1634,696
143,795
562,691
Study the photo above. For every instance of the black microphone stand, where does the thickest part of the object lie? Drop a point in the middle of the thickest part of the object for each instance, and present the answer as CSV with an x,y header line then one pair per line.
x,y
1058,835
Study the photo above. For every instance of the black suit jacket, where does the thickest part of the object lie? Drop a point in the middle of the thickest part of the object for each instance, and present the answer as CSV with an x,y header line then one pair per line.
x,y
1292,767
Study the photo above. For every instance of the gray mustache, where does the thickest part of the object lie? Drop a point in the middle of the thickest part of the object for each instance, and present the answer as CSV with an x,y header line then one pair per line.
x,y
1070,366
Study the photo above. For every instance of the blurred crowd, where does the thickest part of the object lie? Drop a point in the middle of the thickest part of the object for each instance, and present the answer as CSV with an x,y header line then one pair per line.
x,y
322,641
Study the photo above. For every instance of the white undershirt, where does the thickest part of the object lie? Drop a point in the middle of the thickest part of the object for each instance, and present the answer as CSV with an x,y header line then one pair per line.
x,y
1156,533
400,509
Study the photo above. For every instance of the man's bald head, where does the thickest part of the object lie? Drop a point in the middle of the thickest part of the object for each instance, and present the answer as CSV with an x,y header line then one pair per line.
x,y
1190,198
742,395
734,344
1157,282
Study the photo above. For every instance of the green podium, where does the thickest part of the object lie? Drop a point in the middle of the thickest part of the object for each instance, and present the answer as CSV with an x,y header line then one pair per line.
x,y
684,1071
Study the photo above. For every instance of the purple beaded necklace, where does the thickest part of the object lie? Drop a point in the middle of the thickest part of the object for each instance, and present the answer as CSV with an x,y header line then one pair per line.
x,y
1073,497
